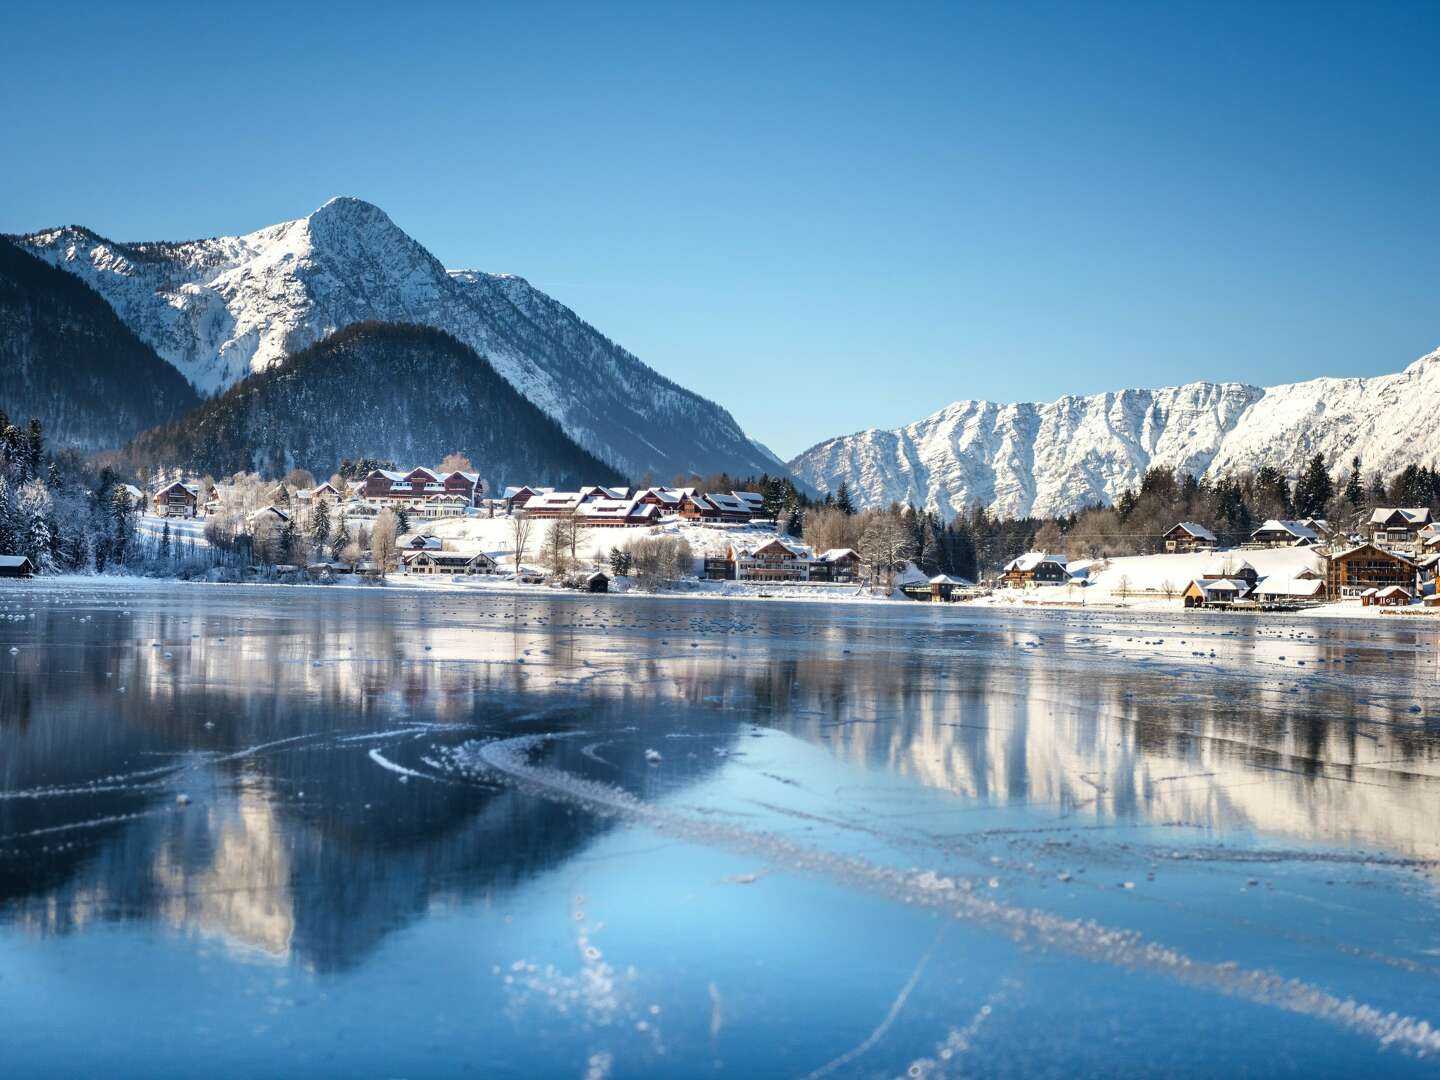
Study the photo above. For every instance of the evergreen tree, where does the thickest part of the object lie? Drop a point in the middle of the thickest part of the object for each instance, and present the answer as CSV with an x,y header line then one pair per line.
x,y
320,524
341,538
843,502
1314,489
37,539
795,521
1354,491
165,541
289,541
402,519
9,538
122,525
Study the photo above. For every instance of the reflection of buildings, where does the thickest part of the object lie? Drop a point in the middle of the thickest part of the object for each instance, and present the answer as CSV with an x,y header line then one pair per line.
x,y
1080,723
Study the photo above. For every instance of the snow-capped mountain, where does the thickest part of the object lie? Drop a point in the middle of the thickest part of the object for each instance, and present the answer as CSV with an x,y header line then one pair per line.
x,y
223,308
1054,458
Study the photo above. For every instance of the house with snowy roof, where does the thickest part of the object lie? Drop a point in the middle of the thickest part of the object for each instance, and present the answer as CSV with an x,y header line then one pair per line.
x,y
836,564
1367,566
776,560
1032,569
177,499
1398,526
1284,532
1187,536
1206,592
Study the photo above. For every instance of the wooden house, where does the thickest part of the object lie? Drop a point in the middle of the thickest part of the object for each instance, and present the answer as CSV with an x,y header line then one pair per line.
x,y
1390,596
1279,532
940,589
836,564
1398,527
775,560
16,566
1367,566
1188,536
693,506
516,497
1032,569
1206,592
177,499
447,562
598,582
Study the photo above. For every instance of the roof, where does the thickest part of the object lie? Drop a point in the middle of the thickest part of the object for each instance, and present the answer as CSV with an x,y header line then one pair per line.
x,y
1297,529
1032,559
15,561
1235,585
1393,590
836,554
800,551
946,579
191,489
1272,586
1200,532
1360,547
1412,515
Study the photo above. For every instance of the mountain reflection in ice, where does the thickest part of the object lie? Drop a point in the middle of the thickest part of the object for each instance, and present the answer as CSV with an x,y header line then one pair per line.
x,y
274,769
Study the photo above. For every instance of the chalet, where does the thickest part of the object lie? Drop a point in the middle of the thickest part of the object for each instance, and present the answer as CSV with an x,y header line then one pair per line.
x,y
616,513
668,501
595,491
1279,532
1390,596
1227,567
753,500
16,566
598,582
447,562
942,588
419,542
1032,569
774,560
516,497
729,508
836,564
433,493
1428,538
1398,527
551,504
1367,566
692,506
272,516
1305,585
1188,536
177,499
1203,592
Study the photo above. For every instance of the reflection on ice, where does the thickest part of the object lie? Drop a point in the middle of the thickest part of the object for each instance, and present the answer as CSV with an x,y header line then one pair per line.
x,y
1166,809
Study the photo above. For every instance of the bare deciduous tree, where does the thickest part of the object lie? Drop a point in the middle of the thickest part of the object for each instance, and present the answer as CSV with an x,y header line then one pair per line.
x,y
382,539
519,538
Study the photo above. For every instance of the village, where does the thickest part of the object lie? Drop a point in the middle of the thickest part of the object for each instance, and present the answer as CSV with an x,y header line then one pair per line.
x,y
431,523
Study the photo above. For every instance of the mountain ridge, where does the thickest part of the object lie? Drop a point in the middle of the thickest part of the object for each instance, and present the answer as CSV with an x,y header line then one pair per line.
x,y
1048,458
220,308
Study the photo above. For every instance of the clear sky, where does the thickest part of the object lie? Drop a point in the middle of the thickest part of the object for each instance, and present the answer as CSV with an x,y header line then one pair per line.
x,y
825,216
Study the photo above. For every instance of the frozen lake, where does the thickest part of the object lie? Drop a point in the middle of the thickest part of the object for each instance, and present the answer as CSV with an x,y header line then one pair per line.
x,y
251,831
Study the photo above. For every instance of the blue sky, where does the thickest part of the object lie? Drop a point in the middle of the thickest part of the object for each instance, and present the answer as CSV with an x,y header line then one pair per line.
x,y
889,206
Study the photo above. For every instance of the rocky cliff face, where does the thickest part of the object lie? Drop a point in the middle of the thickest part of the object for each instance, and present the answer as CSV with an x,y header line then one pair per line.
x,y
223,308
1054,458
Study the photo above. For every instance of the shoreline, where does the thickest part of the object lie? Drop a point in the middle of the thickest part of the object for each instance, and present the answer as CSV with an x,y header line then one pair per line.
x,y
443,584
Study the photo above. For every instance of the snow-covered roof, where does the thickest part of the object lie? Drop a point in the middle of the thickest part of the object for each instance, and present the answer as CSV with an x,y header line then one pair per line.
x,y
1297,529
190,488
14,561
836,554
1032,559
1366,544
428,542
554,500
946,579
1200,532
1382,515
800,551
275,510
1217,585
1272,586
1394,590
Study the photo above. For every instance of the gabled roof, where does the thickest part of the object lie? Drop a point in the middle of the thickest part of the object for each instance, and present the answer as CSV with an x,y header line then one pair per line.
x,y
190,489
1393,590
1198,531
1386,515
1295,586
1383,551
836,554
1032,559
1209,585
800,551
1297,529
15,561
946,579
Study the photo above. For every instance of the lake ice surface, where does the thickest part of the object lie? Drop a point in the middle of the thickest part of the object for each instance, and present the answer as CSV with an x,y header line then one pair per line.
x,y
269,831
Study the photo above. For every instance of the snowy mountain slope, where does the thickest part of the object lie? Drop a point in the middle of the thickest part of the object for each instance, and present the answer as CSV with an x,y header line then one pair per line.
x,y
302,413
223,308
1054,458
